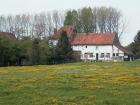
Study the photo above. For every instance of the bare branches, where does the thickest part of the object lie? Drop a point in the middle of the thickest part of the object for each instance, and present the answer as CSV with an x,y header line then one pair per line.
x,y
36,26
99,19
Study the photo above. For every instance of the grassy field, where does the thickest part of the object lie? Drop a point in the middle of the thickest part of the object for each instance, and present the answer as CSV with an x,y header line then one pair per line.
x,y
71,84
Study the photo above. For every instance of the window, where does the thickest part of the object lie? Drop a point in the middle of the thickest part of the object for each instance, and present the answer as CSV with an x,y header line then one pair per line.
x,y
86,46
108,55
91,55
86,55
102,55
113,54
117,54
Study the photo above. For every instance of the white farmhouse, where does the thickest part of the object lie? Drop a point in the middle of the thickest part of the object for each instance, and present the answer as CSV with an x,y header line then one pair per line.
x,y
94,46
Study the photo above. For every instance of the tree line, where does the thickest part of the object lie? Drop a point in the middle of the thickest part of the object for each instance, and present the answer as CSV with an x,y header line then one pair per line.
x,y
28,51
98,19
35,26
87,19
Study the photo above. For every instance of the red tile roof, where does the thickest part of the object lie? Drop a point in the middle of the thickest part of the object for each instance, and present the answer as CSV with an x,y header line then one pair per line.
x,y
94,39
69,29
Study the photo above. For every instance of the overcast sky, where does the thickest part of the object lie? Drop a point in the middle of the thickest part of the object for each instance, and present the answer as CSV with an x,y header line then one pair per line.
x,y
130,10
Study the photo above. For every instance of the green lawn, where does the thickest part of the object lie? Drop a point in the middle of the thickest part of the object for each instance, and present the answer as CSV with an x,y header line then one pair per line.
x,y
71,84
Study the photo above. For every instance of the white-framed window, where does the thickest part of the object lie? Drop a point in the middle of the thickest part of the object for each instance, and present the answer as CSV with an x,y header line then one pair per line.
x,y
91,55
86,55
107,55
102,55
117,54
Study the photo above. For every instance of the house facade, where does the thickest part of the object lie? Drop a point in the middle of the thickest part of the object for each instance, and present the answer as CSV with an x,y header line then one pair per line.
x,y
95,46
100,52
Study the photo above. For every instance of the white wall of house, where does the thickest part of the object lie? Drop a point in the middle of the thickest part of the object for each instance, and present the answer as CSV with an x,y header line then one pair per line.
x,y
89,52
104,52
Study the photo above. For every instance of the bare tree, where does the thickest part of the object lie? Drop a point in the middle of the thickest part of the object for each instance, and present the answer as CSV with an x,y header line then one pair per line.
x,y
98,19
49,24
57,19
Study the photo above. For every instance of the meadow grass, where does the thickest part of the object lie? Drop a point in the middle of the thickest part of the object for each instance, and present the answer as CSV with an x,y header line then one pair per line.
x,y
71,84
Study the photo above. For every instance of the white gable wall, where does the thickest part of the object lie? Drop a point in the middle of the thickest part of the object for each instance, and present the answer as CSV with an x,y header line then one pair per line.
x,y
119,52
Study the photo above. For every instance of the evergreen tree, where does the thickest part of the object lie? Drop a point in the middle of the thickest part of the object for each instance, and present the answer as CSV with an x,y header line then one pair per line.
x,y
135,46
63,49
72,18
69,18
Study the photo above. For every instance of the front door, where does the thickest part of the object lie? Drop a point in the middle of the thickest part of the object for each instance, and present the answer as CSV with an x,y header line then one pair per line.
x,y
97,56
